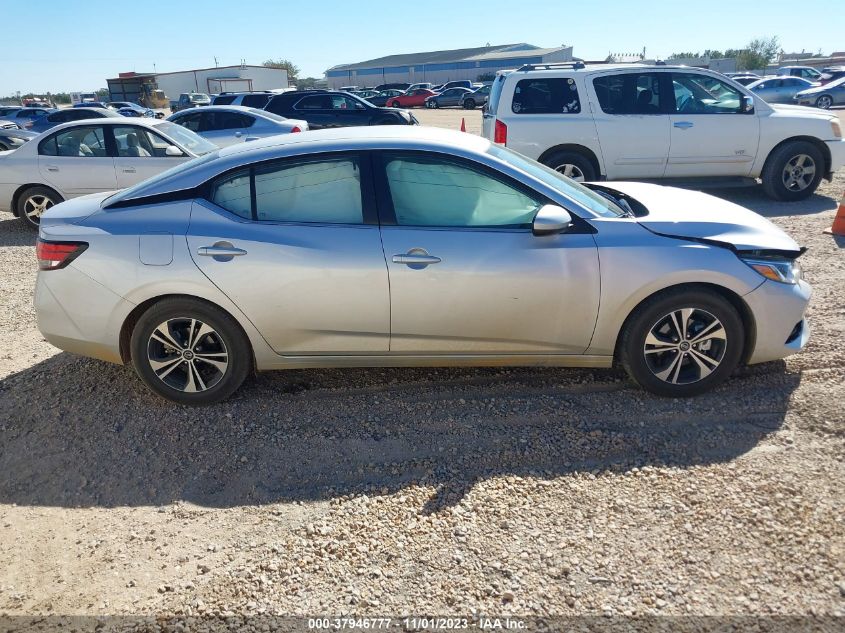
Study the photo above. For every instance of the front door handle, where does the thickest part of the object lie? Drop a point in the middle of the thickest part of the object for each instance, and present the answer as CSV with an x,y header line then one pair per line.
x,y
683,125
129,170
52,168
223,250
416,258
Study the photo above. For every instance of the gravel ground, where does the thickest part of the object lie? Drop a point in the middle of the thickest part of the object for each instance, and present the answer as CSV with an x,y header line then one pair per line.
x,y
440,491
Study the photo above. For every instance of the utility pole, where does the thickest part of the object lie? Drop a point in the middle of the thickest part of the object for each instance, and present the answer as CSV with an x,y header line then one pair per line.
x,y
216,65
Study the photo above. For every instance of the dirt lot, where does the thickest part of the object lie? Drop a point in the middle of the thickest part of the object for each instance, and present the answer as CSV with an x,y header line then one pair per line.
x,y
460,491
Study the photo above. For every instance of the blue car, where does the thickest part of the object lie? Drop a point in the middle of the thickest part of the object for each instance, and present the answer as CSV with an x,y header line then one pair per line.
x,y
69,114
128,105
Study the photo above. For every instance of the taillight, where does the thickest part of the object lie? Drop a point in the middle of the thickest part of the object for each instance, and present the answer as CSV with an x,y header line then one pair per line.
x,y
295,129
500,135
55,255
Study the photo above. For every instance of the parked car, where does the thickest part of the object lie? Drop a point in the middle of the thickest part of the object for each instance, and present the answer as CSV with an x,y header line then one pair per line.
x,y
381,98
779,89
255,99
623,122
826,96
22,117
365,94
328,108
450,97
411,99
476,98
805,72
70,114
831,74
401,87
336,281
138,109
460,83
13,139
745,79
90,156
190,100
93,104
228,125
419,86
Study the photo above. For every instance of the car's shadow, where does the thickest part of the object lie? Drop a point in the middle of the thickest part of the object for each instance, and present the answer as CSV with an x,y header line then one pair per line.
x,y
14,233
79,432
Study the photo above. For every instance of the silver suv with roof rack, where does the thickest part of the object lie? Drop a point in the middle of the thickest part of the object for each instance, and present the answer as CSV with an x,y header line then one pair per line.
x,y
654,121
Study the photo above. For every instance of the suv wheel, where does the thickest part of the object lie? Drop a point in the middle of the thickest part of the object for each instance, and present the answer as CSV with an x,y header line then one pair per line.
x,y
190,352
793,171
571,164
33,202
469,104
824,102
682,342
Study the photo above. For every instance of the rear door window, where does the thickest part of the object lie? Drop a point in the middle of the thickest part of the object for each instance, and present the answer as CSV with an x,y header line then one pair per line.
x,y
78,142
224,99
546,96
255,101
629,93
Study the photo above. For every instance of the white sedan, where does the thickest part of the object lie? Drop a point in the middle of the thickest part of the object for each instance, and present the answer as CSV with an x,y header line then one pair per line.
x,y
90,156
228,125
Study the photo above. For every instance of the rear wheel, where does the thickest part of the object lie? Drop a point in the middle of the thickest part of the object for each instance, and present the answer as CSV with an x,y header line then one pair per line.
x,y
793,171
572,165
682,343
824,102
33,202
190,352
469,104
396,104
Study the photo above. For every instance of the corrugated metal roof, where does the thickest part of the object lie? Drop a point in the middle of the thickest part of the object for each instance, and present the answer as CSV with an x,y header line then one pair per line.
x,y
434,57
534,52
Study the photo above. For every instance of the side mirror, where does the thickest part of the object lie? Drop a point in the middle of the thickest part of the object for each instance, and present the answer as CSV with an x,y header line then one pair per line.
x,y
551,219
746,104
172,150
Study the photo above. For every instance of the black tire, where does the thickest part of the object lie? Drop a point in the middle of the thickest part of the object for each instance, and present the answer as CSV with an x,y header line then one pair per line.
x,y
824,101
25,204
643,368
395,104
226,341
558,160
773,176
469,104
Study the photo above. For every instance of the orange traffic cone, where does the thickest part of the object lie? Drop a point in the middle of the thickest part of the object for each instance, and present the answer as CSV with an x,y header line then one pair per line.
x,y
463,125
838,227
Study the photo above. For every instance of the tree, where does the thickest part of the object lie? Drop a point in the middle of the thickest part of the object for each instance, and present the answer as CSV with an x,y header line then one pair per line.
x,y
306,83
757,55
293,69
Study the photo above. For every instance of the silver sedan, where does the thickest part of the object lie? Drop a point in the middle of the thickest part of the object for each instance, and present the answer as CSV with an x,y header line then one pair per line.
x,y
228,125
410,246
779,89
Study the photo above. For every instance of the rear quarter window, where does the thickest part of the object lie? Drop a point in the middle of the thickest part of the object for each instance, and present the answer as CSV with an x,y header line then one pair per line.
x,y
546,96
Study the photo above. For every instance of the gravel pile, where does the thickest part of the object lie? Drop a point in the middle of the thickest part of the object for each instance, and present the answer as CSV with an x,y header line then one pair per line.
x,y
397,491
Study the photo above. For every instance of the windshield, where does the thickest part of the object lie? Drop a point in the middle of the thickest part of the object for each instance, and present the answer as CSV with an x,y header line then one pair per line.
x,y
186,138
131,192
199,98
588,199
835,82
495,93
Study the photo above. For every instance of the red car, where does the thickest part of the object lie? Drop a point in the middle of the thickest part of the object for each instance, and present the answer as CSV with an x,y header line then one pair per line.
x,y
410,99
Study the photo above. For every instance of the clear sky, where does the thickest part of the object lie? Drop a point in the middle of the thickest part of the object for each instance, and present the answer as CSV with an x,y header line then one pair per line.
x,y
74,45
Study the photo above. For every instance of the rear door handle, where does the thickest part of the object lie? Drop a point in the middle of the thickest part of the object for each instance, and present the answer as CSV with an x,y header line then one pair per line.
x,y
129,170
416,258
220,250
683,125
52,168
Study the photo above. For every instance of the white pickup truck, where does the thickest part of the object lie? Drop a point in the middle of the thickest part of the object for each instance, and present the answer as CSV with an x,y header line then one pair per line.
x,y
647,122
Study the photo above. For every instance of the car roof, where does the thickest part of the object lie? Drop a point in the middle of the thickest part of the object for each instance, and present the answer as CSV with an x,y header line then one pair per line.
x,y
219,108
118,120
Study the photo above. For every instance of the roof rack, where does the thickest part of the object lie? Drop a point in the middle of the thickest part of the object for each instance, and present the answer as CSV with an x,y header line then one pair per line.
x,y
575,65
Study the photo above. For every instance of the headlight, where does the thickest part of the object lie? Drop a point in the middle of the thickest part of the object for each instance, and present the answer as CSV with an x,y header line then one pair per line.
x,y
837,129
785,271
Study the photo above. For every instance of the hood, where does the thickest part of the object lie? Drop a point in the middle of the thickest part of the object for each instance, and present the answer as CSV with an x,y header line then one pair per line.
x,y
802,111
73,210
694,215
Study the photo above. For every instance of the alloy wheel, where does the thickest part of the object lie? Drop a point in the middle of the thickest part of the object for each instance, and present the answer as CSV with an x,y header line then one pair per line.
x,y
187,354
685,346
824,102
35,206
799,172
571,171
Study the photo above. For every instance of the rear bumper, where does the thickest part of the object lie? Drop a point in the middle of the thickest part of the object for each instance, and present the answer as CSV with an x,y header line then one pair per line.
x,y
781,329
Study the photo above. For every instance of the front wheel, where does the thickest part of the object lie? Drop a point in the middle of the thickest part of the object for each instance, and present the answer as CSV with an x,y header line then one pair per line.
x,y
395,104
824,102
33,202
572,165
682,343
793,171
190,352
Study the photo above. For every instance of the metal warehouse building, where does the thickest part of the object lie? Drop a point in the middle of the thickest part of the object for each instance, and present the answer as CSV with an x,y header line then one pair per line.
x,y
441,66
134,86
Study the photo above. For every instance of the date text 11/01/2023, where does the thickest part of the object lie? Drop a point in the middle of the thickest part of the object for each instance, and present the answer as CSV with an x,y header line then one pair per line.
x,y
418,623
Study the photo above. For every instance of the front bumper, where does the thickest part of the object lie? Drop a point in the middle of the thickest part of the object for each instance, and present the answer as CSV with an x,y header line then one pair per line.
x,y
781,329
